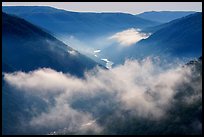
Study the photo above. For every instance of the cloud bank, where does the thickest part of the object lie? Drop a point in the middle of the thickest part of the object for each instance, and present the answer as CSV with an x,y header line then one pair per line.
x,y
140,87
128,37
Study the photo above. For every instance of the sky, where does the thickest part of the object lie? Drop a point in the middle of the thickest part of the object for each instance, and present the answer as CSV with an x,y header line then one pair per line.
x,y
126,7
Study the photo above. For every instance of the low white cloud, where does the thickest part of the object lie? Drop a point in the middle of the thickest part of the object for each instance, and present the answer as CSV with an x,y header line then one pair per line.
x,y
108,63
62,119
129,37
140,87
72,52
97,51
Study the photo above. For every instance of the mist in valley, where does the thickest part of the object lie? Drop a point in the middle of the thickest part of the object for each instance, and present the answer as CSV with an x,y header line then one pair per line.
x,y
101,73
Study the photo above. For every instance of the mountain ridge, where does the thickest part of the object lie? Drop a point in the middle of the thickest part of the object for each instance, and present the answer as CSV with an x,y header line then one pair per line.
x,y
164,16
36,48
86,22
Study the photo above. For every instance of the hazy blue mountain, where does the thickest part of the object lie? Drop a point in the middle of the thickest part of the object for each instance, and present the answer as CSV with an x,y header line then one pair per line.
x,y
158,27
26,47
163,16
181,38
65,22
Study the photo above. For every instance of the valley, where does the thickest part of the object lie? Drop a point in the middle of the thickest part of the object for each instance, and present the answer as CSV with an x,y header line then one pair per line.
x,y
107,73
